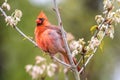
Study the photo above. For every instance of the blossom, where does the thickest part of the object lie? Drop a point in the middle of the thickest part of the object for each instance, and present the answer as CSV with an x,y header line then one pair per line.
x,y
70,37
65,70
99,19
118,1
6,5
51,69
74,53
14,18
100,34
37,71
111,14
28,67
77,44
107,4
110,31
10,20
74,45
104,26
17,15
117,16
34,70
81,41
39,59
42,69
94,43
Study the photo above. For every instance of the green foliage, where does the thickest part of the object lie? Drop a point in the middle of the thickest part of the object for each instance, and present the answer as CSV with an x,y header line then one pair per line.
x,y
93,28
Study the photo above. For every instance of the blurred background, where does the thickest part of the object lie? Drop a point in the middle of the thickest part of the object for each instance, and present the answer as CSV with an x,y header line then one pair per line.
x,y
77,16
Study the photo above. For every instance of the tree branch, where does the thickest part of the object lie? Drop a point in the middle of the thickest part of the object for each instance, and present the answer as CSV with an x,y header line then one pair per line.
x,y
95,35
76,74
58,60
17,29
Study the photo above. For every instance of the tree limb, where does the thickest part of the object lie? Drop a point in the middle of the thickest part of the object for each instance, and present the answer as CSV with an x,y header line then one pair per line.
x,y
75,71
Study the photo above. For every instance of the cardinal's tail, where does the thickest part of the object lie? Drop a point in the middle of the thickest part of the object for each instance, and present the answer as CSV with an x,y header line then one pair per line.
x,y
66,59
78,67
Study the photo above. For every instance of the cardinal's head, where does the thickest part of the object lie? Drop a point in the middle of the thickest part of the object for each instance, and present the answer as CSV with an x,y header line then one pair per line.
x,y
41,19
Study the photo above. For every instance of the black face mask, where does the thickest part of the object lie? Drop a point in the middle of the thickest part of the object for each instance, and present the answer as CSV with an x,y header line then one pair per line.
x,y
41,21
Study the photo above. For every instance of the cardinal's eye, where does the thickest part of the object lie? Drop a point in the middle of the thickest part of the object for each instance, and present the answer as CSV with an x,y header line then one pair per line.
x,y
42,19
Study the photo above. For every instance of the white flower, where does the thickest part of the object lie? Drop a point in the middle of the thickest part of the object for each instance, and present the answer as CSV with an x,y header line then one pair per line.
x,y
74,53
99,19
94,43
43,67
80,47
65,70
18,14
37,71
39,59
53,65
104,26
10,20
81,41
100,34
118,1
117,16
87,48
17,19
28,68
110,31
107,4
111,35
51,69
91,46
14,18
111,14
117,19
6,5
34,75
49,72
70,37
74,45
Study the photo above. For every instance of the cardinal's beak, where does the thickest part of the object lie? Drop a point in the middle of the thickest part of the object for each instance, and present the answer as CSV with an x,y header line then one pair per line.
x,y
38,21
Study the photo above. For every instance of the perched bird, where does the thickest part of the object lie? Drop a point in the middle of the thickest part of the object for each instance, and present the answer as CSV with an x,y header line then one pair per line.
x,y
49,38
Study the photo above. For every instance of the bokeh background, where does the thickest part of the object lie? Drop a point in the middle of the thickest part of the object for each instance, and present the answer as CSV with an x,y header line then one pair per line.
x,y
77,16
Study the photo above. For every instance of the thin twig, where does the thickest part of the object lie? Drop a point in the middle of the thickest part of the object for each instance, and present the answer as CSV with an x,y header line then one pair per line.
x,y
90,57
29,39
58,60
79,61
3,12
95,35
63,33
75,72
18,30
86,63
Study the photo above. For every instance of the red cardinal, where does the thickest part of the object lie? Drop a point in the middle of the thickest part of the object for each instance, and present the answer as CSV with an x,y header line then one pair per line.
x,y
49,37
